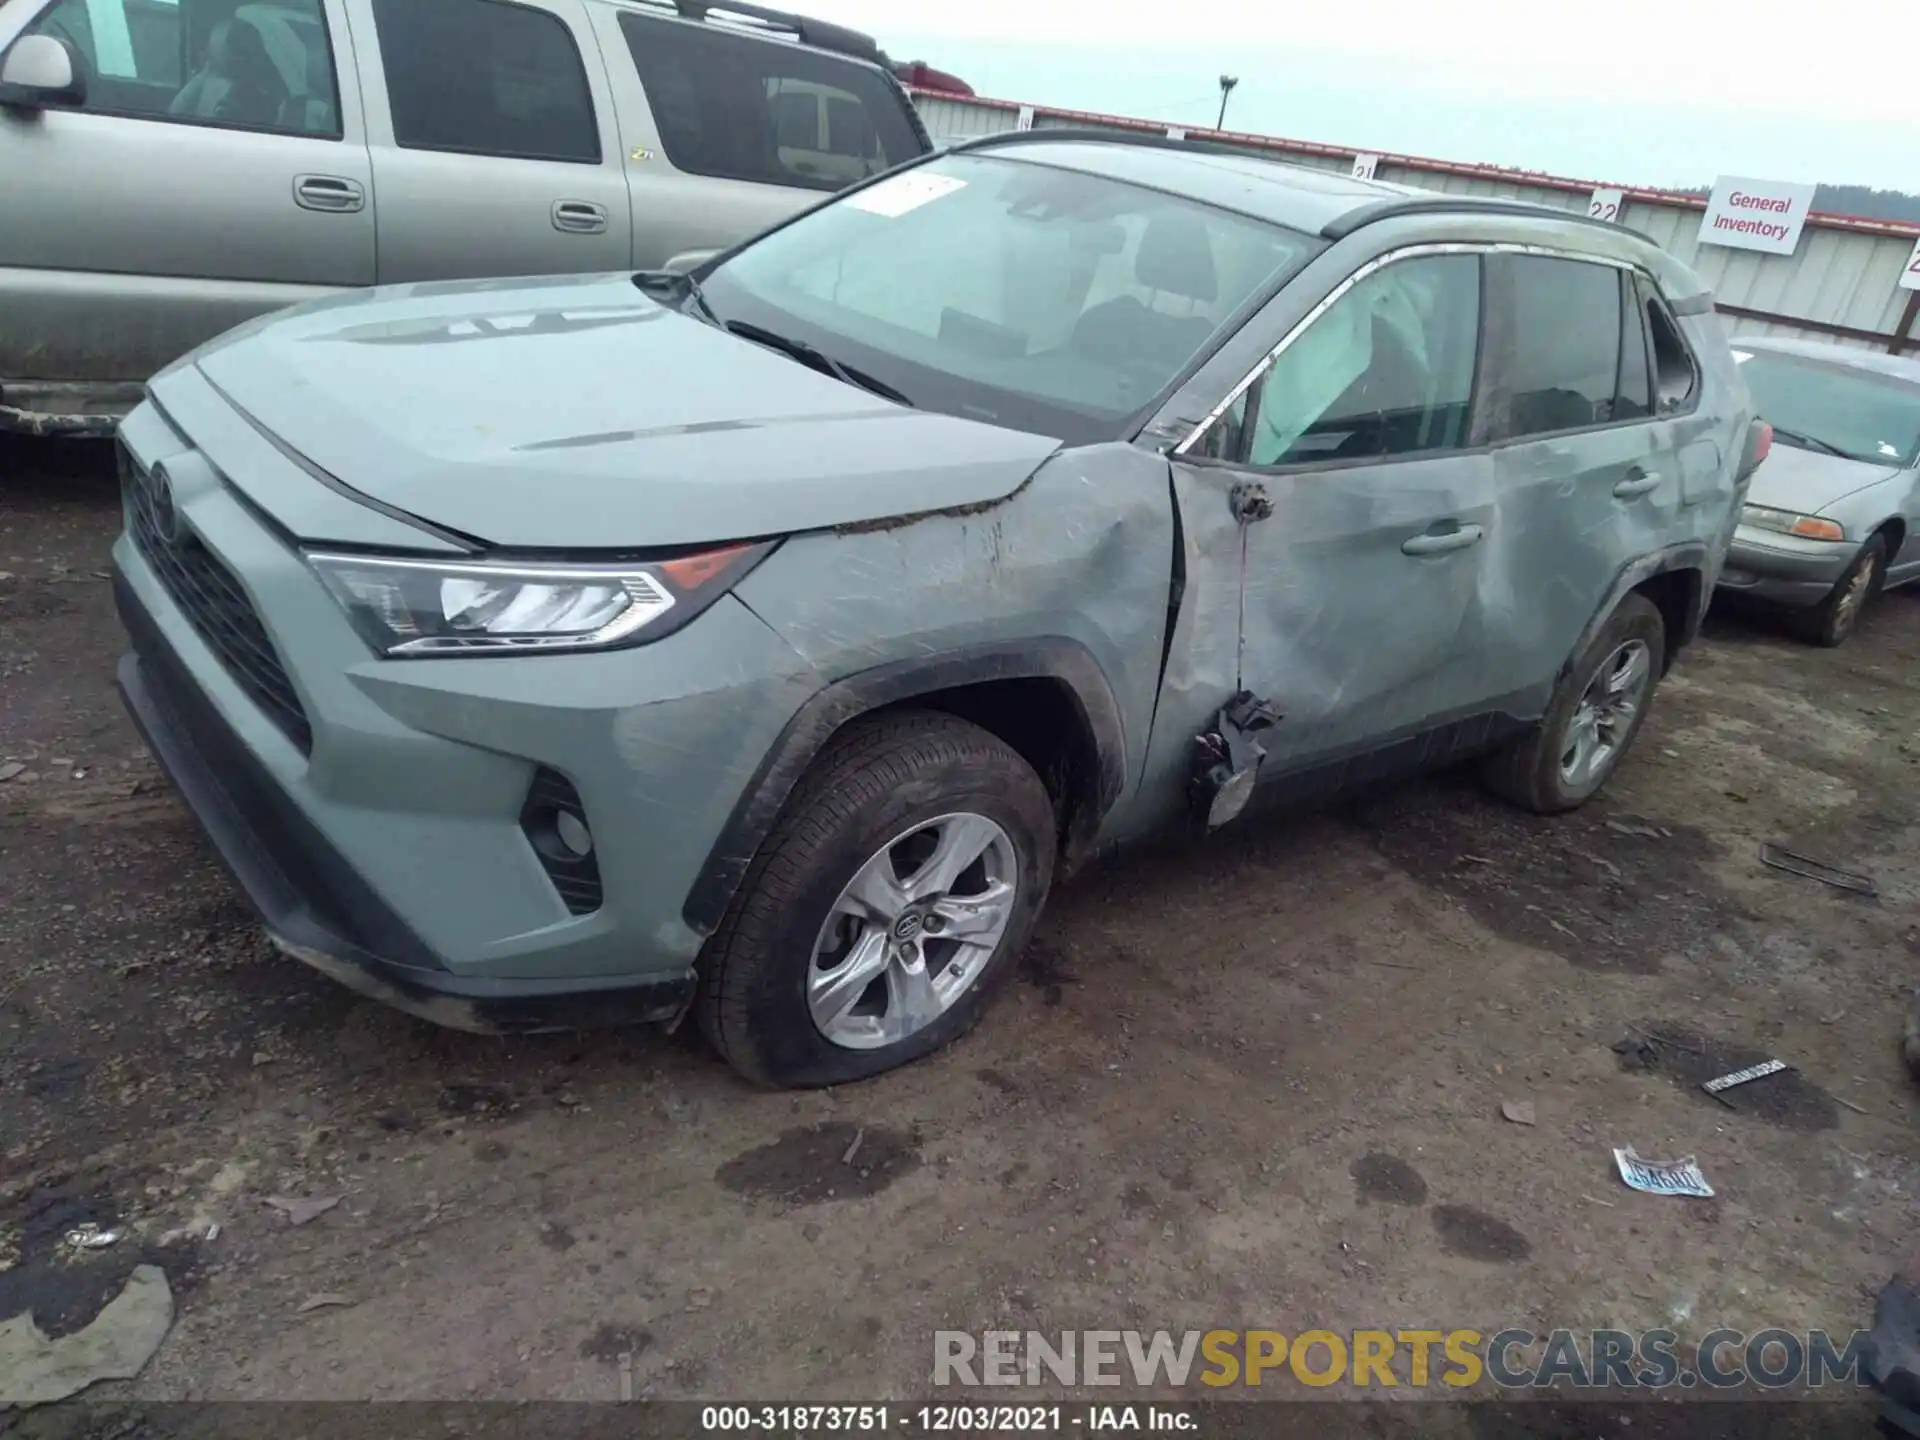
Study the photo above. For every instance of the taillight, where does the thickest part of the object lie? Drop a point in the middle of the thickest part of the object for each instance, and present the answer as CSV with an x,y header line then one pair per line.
x,y
1762,441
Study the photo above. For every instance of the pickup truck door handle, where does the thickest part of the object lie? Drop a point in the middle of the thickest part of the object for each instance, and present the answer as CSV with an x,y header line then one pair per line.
x,y
1638,482
579,217
1439,542
328,192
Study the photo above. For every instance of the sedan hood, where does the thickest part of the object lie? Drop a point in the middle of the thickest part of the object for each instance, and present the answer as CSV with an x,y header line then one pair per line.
x,y
1806,481
576,413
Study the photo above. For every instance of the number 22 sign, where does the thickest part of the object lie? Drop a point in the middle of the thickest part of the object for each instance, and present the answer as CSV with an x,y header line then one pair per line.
x,y
1910,277
1606,205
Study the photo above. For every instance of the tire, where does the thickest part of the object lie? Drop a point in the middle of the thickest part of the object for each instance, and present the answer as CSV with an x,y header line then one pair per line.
x,y
1531,772
1831,621
888,786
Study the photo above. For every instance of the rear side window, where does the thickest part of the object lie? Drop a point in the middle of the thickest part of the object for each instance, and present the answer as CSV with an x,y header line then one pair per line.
x,y
1565,359
484,77
740,108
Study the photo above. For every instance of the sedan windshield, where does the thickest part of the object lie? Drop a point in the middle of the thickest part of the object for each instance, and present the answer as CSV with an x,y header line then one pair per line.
x,y
1834,408
1003,290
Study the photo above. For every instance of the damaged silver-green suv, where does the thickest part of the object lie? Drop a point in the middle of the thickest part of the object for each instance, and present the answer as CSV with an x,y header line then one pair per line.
x,y
766,642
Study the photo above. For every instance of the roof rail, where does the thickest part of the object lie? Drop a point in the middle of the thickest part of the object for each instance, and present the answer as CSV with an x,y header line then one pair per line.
x,y
1148,139
1387,209
820,34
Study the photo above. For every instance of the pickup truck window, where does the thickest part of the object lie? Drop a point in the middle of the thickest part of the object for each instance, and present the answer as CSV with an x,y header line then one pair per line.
x,y
485,77
740,108
260,66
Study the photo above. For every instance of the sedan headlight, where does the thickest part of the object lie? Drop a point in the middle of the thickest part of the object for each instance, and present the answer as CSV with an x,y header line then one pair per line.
x,y
416,607
1788,522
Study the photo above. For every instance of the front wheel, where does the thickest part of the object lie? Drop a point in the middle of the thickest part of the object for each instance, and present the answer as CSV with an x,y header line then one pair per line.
x,y
1596,711
891,899
1831,621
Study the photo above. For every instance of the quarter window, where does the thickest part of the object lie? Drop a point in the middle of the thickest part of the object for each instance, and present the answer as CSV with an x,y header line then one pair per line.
x,y
1387,371
1635,398
484,77
259,66
741,108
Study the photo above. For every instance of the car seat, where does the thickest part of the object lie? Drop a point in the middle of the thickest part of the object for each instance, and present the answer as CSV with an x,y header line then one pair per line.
x,y
1175,258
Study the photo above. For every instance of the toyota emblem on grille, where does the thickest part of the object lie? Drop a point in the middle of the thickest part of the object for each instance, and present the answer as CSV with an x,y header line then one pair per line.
x,y
166,520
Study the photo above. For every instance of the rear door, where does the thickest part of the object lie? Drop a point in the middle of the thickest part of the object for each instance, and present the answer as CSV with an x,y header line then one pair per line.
x,y
216,169
1588,475
728,133
493,138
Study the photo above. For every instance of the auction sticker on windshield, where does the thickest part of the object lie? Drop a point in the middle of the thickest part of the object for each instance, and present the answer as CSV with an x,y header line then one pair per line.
x,y
895,197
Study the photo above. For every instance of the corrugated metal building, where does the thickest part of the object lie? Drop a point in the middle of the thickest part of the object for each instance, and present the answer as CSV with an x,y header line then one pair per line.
x,y
1840,284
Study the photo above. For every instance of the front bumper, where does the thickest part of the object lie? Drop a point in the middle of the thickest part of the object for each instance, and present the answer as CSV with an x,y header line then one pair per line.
x,y
375,811
314,905
1784,569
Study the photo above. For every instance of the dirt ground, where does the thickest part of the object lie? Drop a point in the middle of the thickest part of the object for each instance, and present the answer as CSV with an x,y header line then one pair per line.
x,y
1254,1082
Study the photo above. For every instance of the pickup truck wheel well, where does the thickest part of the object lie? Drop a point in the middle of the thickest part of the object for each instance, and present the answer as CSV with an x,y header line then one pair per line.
x,y
1040,718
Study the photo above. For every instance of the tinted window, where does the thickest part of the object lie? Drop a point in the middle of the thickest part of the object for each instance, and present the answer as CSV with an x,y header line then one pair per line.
x,y
1819,406
262,67
1635,400
741,108
1002,290
1386,371
483,77
1566,344
1675,377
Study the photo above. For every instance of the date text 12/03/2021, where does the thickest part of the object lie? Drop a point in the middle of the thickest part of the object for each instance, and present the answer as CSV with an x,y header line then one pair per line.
x,y
944,1419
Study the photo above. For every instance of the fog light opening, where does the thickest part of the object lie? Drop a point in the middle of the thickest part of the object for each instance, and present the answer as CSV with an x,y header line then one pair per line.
x,y
572,832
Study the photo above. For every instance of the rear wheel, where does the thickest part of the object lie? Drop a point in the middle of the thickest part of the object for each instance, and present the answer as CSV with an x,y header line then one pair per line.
x,y
1831,621
888,904
1597,710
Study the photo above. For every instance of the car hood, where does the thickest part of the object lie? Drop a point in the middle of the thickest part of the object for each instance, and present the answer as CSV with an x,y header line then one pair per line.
x,y
576,413
1806,481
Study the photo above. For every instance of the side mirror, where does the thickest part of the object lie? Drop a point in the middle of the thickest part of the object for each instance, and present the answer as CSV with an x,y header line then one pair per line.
x,y
41,70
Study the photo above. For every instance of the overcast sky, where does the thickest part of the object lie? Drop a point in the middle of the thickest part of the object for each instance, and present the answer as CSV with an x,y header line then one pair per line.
x,y
1653,92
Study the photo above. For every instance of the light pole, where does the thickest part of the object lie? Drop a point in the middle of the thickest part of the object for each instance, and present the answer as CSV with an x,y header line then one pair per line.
x,y
1227,82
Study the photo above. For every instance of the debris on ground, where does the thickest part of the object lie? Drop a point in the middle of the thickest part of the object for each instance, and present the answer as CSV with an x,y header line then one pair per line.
x,y
1794,863
1520,1112
1741,1077
1893,1353
11,769
116,1346
1662,1177
699,1298
92,1237
323,1301
854,1148
300,1211
1645,832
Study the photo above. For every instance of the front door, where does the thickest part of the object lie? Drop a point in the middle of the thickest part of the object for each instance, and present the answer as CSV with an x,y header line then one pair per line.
x,y
215,169
1369,513
1589,474
494,143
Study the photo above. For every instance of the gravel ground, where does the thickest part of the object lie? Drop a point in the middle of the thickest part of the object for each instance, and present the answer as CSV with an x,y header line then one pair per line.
x,y
1254,1082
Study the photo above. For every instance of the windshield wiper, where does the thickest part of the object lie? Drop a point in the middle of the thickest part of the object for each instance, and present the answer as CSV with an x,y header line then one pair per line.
x,y
1812,442
816,358
675,286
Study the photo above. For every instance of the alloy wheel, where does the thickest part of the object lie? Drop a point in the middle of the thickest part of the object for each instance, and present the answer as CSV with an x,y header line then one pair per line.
x,y
1604,718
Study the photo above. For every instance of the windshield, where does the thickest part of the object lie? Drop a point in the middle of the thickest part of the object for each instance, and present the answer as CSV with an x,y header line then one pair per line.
x,y
1002,290
1821,406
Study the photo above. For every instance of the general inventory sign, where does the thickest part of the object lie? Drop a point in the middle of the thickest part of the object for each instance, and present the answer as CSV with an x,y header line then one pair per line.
x,y
1764,215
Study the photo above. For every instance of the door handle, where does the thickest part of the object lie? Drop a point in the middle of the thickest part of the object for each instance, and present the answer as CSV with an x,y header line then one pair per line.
x,y
579,217
1638,482
1439,542
328,192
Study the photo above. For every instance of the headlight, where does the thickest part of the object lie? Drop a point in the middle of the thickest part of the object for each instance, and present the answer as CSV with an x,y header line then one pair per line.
x,y
482,607
1808,527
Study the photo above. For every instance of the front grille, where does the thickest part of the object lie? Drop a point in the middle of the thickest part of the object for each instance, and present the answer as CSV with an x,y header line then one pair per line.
x,y
575,876
213,600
